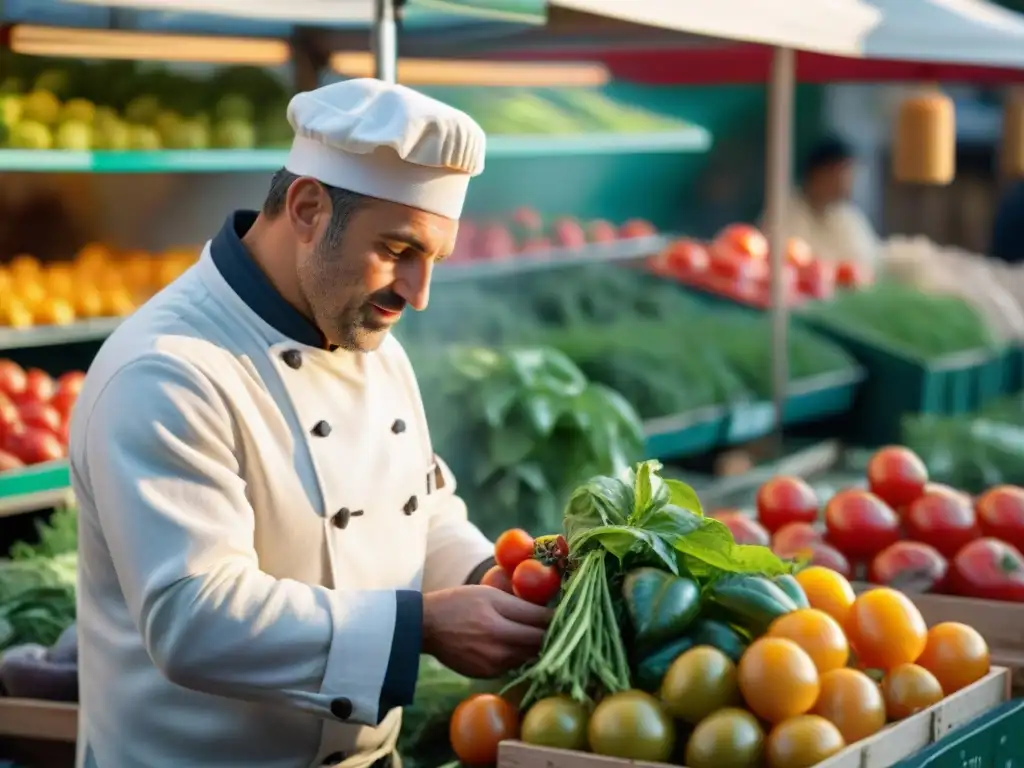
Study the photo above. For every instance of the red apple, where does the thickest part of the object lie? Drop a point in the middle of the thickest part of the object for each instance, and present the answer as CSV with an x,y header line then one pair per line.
x,y
569,234
817,279
601,231
637,228
745,240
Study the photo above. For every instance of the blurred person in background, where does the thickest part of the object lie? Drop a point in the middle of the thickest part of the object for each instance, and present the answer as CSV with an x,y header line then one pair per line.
x,y
1008,227
822,211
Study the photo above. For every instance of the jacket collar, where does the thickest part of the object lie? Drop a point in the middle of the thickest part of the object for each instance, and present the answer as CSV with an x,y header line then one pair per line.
x,y
243,275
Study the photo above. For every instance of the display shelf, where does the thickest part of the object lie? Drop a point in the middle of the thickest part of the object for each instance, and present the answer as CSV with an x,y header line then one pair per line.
x,y
556,258
37,487
52,335
265,160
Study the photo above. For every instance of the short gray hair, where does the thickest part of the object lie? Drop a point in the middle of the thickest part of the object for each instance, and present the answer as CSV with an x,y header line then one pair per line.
x,y
344,204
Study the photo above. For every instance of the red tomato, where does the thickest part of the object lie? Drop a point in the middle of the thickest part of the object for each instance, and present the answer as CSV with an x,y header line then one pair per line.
x,y
794,536
601,231
637,228
536,582
686,257
478,725
859,524
734,265
512,548
569,233
1000,513
910,566
528,219
33,445
9,461
786,500
896,475
63,401
497,578
989,569
40,415
744,528
944,520
817,279
823,554
745,239
798,252
39,387
850,274
12,378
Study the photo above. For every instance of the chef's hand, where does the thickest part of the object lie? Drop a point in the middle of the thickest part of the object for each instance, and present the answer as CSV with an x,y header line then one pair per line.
x,y
481,631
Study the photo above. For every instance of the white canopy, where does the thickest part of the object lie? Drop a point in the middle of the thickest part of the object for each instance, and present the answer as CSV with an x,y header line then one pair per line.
x,y
827,26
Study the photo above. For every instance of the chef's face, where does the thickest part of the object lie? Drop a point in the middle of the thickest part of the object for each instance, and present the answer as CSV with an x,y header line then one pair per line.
x,y
358,281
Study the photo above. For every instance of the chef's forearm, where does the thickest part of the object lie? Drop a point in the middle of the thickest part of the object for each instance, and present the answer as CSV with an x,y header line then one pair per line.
x,y
240,633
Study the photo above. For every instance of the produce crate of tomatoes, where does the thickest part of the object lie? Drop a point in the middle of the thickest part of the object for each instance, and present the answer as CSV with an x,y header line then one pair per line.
x,y
735,265
670,643
902,531
35,411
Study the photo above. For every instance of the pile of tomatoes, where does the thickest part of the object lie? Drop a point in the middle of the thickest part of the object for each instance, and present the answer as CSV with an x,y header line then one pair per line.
x,y
820,679
528,568
902,531
35,411
735,264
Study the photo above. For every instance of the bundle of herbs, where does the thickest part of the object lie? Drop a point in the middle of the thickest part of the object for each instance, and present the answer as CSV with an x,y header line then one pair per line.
x,y
621,530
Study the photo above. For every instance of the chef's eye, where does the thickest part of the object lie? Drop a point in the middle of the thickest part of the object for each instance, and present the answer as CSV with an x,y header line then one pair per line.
x,y
393,252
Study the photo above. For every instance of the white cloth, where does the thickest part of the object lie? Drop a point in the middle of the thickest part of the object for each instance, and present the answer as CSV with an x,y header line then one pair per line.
x,y
220,611
841,233
386,141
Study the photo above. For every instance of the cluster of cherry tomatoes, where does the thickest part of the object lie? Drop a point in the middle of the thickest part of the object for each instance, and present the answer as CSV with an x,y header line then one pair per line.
x,y
903,531
528,568
35,411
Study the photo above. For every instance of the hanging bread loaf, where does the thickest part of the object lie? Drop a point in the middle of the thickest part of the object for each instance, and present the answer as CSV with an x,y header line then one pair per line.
x,y
924,143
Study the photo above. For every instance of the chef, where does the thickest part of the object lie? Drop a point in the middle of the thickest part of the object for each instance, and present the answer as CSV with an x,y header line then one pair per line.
x,y
267,540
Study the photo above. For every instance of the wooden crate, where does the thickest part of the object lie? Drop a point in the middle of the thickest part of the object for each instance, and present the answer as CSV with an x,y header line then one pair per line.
x,y
898,741
38,734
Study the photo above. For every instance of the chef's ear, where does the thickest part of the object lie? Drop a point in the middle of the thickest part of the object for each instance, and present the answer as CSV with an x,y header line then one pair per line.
x,y
308,208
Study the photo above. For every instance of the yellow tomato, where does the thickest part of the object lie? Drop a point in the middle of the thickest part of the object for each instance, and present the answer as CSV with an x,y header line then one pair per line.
x,y
53,311
59,280
117,302
24,267
88,302
14,314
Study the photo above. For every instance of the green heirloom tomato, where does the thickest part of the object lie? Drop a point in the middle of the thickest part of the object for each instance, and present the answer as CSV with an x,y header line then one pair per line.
x,y
556,721
632,725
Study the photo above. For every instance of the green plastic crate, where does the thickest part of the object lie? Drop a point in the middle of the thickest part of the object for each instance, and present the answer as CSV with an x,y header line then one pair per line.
x,y
897,384
819,397
686,434
994,740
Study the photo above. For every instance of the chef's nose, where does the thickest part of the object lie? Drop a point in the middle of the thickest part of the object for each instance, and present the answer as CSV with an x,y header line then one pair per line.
x,y
413,283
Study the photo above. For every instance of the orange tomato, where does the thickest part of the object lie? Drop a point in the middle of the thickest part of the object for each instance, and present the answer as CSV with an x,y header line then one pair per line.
x,y
117,303
88,302
53,311
886,629
818,634
59,280
801,742
30,292
909,689
478,725
24,267
852,702
827,591
956,654
778,679
14,314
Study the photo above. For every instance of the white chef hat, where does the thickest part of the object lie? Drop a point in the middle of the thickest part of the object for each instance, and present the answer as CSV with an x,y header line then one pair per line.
x,y
386,141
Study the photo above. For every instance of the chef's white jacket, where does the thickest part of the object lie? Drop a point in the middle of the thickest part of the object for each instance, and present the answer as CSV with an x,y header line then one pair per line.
x,y
258,518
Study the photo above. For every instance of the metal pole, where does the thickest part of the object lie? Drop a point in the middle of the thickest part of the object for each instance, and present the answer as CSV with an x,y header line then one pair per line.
x,y
778,181
384,41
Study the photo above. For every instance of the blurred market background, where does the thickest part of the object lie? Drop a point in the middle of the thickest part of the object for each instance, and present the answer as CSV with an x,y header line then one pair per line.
x,y
629,294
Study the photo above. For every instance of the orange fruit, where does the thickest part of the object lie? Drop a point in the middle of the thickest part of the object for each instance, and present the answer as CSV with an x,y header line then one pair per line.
x,y
24,267
818,634
92,257
956,654
909,689
801,742
852,702
886,629
59,280
827,591
30,292
53,312
778,679
117,302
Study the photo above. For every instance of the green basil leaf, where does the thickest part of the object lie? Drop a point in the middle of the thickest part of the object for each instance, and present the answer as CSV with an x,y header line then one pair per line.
x,y
601,501
543,410
682,495
475,363
508,447
533,476
497,396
